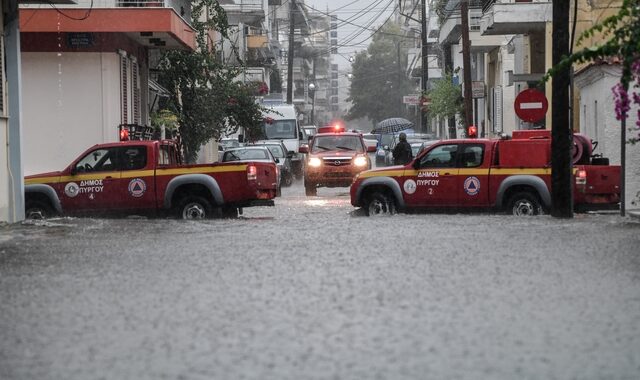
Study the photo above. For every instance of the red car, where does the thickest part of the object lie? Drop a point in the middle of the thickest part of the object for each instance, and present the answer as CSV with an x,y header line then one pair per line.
x,y
334,159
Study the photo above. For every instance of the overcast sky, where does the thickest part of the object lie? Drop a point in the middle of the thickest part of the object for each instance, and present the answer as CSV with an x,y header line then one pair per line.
x,y
351,14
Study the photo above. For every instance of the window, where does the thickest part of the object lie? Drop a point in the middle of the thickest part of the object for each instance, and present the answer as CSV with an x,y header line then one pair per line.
x,y
443,156
133,157
471,156
113,159
346,143
99,160
334,75
334,91
168,156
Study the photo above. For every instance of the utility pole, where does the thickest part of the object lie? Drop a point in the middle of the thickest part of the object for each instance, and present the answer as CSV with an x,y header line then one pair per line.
x,y
466,63
425,66
561,137
292,5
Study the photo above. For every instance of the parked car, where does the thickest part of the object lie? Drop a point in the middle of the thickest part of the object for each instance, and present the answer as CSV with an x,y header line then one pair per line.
x,y
370,139
310,130
253,154
279,151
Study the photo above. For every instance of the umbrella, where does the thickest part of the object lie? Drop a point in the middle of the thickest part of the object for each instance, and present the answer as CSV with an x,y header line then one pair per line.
x,y
392,125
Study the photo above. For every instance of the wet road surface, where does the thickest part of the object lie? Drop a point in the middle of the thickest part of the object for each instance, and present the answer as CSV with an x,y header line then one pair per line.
x,y
310,290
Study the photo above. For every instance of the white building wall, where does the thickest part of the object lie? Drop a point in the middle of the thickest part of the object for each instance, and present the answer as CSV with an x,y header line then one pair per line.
x,y
598,121
71,102
508,91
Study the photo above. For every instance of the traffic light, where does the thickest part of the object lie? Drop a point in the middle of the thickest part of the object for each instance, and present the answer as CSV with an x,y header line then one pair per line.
x,y
472,132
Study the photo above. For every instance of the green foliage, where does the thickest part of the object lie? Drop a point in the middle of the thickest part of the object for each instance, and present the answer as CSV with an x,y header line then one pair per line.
x,y
379,81
446,98
206,100
621,34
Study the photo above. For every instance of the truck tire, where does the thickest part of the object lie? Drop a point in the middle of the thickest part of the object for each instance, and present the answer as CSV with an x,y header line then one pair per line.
x,y
194,207
310,189
524,203
38,210
379,204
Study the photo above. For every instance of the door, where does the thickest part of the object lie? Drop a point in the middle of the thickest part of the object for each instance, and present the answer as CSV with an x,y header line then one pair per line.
x,y
473,176
433,182
91,184
137,178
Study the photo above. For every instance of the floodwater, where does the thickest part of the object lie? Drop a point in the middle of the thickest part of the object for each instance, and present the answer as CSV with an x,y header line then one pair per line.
x,y
309,289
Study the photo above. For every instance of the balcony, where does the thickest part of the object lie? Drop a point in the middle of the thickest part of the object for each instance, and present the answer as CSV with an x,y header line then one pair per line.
x,y
155,24
451,26
244,11
514,16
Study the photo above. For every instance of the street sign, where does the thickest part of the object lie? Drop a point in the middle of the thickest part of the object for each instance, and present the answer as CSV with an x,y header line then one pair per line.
x,y
411,99
477,89
531,105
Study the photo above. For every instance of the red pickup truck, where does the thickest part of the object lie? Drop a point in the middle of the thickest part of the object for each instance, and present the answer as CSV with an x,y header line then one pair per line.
x,y
148,176
513,175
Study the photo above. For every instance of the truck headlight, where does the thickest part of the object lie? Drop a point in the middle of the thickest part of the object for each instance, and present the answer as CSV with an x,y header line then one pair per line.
x,y
360,161
314,162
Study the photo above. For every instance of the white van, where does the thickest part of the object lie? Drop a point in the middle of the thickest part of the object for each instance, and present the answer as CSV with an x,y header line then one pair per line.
x,y
281,123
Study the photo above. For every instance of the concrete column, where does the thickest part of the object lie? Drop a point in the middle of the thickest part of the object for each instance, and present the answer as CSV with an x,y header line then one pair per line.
x,y
15,195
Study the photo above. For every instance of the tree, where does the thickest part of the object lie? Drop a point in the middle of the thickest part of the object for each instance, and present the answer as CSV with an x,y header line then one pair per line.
x,y
205,96
446,98
621,32
379,81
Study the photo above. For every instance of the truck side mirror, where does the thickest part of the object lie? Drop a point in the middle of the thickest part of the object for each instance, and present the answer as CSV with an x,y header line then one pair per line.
x,y
303,149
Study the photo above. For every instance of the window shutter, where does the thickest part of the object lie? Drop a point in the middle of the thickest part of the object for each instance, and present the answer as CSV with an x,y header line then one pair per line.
x,y
124,90
135,93
2,78
498,106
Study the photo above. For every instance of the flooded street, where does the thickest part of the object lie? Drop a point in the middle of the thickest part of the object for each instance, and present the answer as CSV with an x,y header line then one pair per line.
x,y
310,289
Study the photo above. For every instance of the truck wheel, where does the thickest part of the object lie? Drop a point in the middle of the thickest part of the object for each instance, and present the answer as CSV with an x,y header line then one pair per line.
x,y
194,207
380,204
310,189
524,204
38,210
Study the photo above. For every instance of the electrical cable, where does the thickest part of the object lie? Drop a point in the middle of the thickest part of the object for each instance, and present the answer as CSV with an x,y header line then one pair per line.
x,y
86,15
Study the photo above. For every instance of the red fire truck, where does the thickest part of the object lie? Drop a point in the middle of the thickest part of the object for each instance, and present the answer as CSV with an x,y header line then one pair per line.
x,y
148,176
513,175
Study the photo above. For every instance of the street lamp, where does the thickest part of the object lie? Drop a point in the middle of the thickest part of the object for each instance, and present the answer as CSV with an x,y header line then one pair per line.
x,y
312,91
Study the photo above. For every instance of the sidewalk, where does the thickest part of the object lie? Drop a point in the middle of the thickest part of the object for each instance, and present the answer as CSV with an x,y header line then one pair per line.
x,y
634,213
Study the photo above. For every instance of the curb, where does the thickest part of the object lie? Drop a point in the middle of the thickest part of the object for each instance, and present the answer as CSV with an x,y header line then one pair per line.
x,y
634,213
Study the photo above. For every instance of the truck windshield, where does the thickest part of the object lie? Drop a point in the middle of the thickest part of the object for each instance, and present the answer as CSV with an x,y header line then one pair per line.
x,y
280,129
325,143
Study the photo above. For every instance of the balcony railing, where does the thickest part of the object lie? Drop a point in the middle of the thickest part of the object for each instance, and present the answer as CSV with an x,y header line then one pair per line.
x,y
486,4
244,6
181,7
453,6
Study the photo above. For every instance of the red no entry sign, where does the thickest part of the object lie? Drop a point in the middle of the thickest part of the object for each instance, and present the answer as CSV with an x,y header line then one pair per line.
x,y
531,105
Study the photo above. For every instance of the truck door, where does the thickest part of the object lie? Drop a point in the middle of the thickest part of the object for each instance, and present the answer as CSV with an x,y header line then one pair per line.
x,y
137,173
91,183
433,182
473,176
